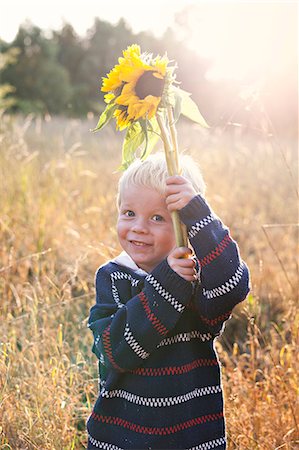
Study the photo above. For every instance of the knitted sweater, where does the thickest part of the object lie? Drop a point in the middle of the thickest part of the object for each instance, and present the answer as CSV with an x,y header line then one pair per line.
x,y
160,382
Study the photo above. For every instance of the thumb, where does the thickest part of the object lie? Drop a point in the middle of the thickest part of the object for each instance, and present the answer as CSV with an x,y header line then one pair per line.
x,y
183,252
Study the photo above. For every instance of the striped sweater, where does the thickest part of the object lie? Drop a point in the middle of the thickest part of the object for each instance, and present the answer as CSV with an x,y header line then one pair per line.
x,y
160,381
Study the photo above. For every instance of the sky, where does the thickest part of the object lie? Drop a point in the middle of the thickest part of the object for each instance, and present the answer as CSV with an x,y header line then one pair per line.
x,y
155,15
241,38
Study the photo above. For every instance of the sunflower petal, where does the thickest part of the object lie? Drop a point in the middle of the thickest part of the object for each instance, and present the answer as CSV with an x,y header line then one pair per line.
x,y
108,98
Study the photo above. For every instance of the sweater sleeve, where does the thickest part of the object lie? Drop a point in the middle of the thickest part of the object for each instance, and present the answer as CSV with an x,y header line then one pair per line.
x,y
224,277
125,331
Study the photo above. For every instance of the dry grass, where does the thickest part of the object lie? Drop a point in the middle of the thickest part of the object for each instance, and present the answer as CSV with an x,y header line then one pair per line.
x,y
56,227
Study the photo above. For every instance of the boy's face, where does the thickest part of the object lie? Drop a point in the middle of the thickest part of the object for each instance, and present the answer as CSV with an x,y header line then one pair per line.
x,y
144,226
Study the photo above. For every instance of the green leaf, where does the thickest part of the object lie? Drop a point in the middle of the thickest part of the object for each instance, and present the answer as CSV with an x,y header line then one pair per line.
x,y
144,127
188,107
153,135
177,107
133,139
105,117
137,133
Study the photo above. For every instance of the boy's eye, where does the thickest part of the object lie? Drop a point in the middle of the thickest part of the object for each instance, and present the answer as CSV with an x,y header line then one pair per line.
x,y
129,213
158,218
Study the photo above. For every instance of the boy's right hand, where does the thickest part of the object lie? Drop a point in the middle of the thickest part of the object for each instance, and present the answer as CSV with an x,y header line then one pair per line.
x,y
185,267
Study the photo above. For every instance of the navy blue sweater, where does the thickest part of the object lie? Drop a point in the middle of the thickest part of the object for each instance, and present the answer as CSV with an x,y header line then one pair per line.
x,y
160,382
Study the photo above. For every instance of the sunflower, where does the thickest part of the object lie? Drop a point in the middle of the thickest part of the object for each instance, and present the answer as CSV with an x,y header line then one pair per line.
x,y
137,90
135,86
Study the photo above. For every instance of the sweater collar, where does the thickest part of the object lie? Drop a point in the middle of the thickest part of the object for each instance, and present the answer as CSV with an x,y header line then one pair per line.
x,y
124,259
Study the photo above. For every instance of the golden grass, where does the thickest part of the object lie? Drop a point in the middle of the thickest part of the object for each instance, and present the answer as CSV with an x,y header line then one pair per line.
x,y
57,226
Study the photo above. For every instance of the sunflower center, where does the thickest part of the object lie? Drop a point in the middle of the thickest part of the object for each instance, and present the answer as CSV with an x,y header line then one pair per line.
x,y
149,85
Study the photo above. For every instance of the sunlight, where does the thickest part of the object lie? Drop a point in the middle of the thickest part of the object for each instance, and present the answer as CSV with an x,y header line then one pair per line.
x,y
244,40
81,15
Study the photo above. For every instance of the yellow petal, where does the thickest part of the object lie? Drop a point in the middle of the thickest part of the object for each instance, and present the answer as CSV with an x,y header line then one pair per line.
x,y
158,75
125,75
108,98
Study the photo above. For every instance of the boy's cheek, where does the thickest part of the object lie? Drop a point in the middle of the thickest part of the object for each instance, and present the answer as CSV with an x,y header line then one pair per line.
x,y
120,229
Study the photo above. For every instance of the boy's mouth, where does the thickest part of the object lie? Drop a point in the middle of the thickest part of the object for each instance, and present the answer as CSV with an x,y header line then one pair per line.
x,y
139,243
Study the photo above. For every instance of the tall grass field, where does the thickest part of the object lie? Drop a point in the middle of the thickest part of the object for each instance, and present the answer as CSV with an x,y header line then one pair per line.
x,y
57,225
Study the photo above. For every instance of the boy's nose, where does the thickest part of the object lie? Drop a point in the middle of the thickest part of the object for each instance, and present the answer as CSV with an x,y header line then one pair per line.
x,y
139,227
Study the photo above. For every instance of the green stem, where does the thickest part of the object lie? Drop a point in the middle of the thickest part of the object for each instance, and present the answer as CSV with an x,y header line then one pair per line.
x,y
174,138
173,169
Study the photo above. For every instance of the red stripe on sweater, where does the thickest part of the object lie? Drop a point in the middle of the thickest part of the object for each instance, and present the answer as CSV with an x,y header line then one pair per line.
x,y
108,348
211,322
160,431
216,320
216,252
151,317
176,370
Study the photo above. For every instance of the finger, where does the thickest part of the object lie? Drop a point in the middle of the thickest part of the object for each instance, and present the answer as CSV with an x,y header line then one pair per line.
x,y
173,198
172,189
189,277
185,271
180,252
175,179
176,206
179,200
185,263
176,203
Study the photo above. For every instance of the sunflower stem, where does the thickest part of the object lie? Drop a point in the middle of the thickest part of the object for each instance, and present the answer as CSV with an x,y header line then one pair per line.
x,y
173,169
174,138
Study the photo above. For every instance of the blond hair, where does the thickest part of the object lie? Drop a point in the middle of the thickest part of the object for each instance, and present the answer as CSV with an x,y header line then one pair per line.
x,y
152,173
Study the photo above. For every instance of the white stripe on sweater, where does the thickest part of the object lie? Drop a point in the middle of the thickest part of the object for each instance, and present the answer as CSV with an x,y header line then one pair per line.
x,y
200,225
204,446
103,445
209,444
158,402
120,276
227,286
124,276
135,346
186,337
168,297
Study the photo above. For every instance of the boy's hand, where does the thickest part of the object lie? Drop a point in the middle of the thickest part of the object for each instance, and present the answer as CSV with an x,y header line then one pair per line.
x,y
179,192
185,267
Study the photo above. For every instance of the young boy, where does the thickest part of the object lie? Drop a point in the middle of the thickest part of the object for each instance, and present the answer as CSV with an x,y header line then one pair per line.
x,y
157,313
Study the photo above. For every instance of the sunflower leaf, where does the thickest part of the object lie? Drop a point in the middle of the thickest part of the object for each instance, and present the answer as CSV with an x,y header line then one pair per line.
x,y
177,107
133,139
188,107
105,117
151,132
144,127
154,134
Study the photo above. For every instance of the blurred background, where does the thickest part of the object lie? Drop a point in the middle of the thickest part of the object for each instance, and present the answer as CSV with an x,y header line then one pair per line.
x,y
239,60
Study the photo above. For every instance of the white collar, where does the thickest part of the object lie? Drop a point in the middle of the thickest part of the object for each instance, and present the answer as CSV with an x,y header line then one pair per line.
x,y
125,260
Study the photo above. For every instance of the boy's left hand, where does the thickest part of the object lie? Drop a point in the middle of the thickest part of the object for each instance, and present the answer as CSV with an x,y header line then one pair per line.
x,y
179,259
179,192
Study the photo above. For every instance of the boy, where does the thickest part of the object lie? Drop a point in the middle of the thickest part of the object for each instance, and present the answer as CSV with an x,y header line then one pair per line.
x,y
157,313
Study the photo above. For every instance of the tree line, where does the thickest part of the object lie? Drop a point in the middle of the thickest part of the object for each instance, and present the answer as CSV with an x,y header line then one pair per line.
x,y
60,72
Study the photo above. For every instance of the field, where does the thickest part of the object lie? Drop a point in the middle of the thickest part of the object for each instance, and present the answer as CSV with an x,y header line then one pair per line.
x,y
58,212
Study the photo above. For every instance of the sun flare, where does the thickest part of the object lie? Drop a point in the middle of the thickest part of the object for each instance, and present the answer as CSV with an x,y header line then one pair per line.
x,y
243,40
